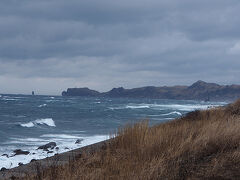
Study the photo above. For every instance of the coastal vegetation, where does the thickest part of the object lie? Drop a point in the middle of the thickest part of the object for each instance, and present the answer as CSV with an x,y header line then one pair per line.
x,y
200,145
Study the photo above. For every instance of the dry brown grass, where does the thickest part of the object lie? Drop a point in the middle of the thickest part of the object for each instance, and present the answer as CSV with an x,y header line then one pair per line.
x,y
201,145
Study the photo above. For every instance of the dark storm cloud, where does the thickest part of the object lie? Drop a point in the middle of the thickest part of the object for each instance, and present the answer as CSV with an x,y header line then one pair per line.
x,y
109,43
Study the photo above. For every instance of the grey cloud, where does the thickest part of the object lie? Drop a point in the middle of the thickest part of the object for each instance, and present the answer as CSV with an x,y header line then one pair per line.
x,y
107,43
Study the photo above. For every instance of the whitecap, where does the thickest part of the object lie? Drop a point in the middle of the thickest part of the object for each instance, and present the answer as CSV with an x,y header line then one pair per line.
x,y
137,107
29,124
42,105
130,107
47,121
168,118
180,107
51,100
9,99
21,116
115,108
174,112
177,107
19,97
154,115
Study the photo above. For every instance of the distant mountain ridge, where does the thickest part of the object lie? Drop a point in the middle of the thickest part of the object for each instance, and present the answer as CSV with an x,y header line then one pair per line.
x,y
199,90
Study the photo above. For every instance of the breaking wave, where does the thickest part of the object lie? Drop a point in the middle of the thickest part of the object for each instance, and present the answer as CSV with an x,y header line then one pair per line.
x,y
137,107
176,107
181,107
131,107
171,113
64,143
29,124
47,121
42,105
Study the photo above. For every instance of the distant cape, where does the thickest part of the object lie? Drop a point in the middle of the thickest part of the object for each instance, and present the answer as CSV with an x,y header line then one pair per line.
x,y
199,90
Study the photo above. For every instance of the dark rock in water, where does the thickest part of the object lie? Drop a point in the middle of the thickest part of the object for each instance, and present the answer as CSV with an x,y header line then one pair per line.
x,y
50,145
57,148
66,148
3,169
33,160
20,164
5,155
50,152
78,141
20,152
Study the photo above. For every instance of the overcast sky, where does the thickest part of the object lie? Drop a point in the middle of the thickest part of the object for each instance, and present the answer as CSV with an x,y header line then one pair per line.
x,y
50,45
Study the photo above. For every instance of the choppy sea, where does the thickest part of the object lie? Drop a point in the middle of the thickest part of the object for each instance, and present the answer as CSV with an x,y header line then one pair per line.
x,y
26,122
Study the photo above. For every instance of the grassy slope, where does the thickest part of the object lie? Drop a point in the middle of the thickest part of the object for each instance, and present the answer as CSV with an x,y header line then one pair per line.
x,y
201,145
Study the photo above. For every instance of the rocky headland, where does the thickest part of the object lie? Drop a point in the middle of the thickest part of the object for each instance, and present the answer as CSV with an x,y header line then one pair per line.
x,y
199,90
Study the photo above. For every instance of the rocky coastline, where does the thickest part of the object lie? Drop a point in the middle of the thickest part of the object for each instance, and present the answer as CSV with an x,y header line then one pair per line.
x,y
58,159
199,90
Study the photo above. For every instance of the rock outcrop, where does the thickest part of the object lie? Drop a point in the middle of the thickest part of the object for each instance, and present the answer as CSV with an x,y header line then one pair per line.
x,y
80,92
78,141
20,152
48,146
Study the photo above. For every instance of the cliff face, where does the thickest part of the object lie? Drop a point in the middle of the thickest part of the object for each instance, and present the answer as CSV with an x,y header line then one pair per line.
x,y
200,90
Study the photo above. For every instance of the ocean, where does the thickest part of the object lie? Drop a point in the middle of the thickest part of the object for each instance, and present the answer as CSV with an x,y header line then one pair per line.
x,y
26,122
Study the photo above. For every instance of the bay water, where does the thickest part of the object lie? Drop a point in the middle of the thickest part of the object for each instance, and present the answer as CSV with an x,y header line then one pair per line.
x,y
26,122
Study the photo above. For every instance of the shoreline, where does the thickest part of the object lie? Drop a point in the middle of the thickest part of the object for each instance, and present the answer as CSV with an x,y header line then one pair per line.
x,y
56,160
203,144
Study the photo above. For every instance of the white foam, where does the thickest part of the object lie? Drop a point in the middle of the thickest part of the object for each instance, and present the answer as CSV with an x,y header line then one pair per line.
x,y
65,144
29,124
181,107
9,99
137,106
115,108
42,105
154,115
51,100
174,112
19,97
47,121
168,118
64,136
27,140
177,107
21,116
131,106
